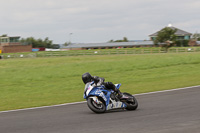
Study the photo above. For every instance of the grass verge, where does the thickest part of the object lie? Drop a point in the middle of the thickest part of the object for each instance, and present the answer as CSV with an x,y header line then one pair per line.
x,y
37,82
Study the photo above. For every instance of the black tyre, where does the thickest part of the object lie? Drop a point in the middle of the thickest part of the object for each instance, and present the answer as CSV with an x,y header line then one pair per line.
x,y
97,108
131,104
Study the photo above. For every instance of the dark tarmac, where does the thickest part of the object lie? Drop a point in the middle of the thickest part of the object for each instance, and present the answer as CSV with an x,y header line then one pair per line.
x,y
165,112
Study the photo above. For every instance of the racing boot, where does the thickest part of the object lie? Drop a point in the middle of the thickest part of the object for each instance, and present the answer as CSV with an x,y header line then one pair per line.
x,y
119,94
115,96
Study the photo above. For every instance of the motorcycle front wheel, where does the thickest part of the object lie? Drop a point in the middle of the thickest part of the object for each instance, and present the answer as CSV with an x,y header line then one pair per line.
x,y
96,107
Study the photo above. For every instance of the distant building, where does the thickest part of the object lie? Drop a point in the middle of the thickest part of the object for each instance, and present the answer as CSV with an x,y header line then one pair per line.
x,y
6,40
80,46
13,45
181,34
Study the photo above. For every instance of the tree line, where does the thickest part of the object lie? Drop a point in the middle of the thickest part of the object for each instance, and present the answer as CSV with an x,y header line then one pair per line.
x,y
39,43
125,39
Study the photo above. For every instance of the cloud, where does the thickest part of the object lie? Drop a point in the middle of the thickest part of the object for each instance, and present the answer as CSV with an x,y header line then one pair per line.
x,y
95,21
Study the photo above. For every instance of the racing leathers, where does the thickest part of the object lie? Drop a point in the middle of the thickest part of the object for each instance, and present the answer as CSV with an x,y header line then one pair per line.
x,y
98,81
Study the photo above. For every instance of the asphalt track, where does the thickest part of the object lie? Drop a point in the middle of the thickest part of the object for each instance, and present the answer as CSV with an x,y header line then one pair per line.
x,y
164,112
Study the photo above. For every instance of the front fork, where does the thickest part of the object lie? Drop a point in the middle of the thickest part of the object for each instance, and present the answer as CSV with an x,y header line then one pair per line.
x,y
96,100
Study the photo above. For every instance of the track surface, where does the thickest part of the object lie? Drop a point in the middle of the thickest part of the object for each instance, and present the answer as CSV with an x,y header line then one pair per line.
x,y
165,112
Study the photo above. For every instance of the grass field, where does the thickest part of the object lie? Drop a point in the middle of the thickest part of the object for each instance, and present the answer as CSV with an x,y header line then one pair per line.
x,y
47,81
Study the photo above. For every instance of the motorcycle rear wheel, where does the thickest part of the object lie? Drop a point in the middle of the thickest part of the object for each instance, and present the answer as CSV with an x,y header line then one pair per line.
x,y
97,108
131,105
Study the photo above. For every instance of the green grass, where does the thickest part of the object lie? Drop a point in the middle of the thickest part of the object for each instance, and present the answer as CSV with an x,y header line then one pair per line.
x,y
47,81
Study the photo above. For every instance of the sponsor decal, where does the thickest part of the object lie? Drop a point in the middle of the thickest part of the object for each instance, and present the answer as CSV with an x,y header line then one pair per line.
x,y
114,105
101,94
89,89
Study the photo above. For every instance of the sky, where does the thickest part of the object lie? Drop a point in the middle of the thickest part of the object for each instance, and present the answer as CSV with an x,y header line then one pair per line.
x,y
96,21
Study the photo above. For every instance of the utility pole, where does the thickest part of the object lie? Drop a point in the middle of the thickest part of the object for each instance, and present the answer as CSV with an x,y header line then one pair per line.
x,y
70,34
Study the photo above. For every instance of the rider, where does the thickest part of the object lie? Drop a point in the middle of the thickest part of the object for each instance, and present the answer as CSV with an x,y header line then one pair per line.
x,y
86,77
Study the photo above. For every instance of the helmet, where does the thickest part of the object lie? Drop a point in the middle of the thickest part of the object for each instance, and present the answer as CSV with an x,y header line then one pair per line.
x,y
86,77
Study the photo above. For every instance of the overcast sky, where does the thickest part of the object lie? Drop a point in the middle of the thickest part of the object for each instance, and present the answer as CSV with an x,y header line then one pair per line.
x,y
96,20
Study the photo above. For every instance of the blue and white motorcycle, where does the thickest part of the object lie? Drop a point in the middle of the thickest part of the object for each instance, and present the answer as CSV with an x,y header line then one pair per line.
x,y
99,99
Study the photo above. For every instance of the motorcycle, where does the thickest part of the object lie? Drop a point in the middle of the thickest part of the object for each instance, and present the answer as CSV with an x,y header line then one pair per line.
x,y
100,99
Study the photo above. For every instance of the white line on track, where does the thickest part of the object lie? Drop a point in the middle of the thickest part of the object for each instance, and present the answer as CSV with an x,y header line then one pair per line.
x,y
167,90
85,101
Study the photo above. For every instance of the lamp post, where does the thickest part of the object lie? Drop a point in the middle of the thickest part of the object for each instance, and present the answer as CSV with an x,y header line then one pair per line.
x,y
70,34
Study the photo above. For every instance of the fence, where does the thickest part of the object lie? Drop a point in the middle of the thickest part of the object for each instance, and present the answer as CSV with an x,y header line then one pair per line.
x,y
99,52
115,52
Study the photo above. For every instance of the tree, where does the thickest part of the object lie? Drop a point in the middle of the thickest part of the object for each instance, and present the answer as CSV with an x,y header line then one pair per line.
x,y
55,46
166,37
4,35
67,43
37,43
196,36
111,40
124,40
